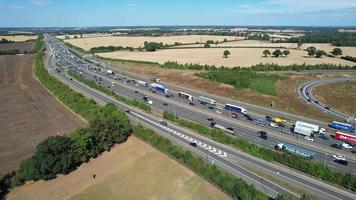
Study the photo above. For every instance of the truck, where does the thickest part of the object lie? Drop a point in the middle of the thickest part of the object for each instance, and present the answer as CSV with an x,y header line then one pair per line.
x,y
307,129
342,126
345,137
142,83
205,101
154,79
159,88
222,128
295,150
109,72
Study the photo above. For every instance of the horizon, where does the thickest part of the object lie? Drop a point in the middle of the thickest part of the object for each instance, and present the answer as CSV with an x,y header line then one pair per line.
x,y
55,13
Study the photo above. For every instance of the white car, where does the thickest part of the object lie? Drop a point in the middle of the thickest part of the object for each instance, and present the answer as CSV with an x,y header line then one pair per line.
x,y
218,111
338,157
309,138
346,146
274,125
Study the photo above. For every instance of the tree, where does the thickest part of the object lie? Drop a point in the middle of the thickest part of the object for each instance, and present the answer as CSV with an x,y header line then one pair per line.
x,y
225,40
206,45
286,52
226,53
277,53
305,197
152,46
336,52
311,51
266,52
320,53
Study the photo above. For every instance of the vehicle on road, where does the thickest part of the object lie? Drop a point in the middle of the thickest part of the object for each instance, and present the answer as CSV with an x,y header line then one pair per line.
x,y
262,134
218,111
235,115
307,129
193,144
309,138
280,120
340,159
185,96
295,150
210,119
235,108
169,95
191,103
154,79
324,137
269,118
159,88
345,137
218,126
163,123
165,104
206,101
342,126
109,72
346,146
147,100
272,124
286,131
142,83
211,107
337,146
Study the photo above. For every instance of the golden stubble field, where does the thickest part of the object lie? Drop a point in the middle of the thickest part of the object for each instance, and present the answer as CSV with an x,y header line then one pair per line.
x,y
131,170
90,42
244,57
18,38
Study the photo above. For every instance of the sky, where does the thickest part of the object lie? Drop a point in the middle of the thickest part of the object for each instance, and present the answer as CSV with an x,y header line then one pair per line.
x,y
83,13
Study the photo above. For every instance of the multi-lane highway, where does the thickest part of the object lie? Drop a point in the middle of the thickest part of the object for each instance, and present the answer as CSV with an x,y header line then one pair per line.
x,y
230,159
305,92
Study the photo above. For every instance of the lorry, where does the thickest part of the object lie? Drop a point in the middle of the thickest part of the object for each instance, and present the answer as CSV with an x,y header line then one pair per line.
x,y
295,150
154,79
307,129
342,126
222,128
109,72
159,88
205,101
345,137
142,83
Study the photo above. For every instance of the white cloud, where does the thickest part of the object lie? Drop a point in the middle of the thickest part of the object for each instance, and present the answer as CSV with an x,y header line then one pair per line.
x,y
40,2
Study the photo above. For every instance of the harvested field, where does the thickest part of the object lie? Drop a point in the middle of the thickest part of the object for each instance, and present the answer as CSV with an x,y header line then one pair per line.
x,y
23,46
19,38
244,57
131,170
286,99
62,37
88,43
339,96
28,113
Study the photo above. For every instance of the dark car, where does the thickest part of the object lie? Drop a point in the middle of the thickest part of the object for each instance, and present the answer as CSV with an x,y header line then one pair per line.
x,y
338,146
250,118
169,95
230,128
127,111
353,151
153,91
165,104
210,119
136,91
191,103
164,123
212,124
342,162
193,144
317,102
262,134
211,107
309,100
281,125
327,108
269,118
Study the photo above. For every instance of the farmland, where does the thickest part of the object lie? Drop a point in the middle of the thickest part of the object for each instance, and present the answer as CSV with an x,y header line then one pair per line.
x,y
339,96
18,38
23,46
244,57
132,170
128,41
29,113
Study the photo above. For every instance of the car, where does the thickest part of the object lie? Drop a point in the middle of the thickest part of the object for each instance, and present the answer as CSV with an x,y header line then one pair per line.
x,y
338,157
218,111
309,138
108,86
212,124
281,125
165,104
153,91
286,131
327,108
317,102
70,79
127,111
337,146
346,146
250,119
235,115
193,144
309,100
324,137
247,115
262,134
230,128
169,95
342,162
272,124
211,107
191,103
163,123
136,91
210,119
353,151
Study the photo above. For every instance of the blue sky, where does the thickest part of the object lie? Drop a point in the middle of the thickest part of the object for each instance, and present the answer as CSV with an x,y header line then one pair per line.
x,y
44,13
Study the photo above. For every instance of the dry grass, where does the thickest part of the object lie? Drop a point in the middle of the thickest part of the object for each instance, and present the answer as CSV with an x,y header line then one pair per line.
x,y
339,96
244,57
19,38
349,51
62,37
132,170
28,113
88,43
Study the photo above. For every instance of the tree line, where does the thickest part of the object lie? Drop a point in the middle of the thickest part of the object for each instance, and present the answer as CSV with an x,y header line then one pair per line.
x,y
318,170
6,41
105,49
335,38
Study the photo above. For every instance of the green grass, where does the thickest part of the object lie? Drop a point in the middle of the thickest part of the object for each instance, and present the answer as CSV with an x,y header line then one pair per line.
x,y
264,84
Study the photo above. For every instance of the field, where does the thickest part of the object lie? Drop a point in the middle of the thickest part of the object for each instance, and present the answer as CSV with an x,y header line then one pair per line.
x,y
88,43
349,51
62,37
18,38
23,46
28,113
244,57
339,96
132,170
286,99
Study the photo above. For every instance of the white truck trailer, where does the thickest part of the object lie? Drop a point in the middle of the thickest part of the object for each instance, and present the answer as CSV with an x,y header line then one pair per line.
x,y
307,129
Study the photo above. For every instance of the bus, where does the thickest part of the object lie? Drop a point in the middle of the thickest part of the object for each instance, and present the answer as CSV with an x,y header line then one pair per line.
x,y
185,96
235,108
205,100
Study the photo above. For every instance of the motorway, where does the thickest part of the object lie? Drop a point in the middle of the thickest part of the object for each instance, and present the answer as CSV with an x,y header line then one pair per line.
x,y
221,155
305,92
199,113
